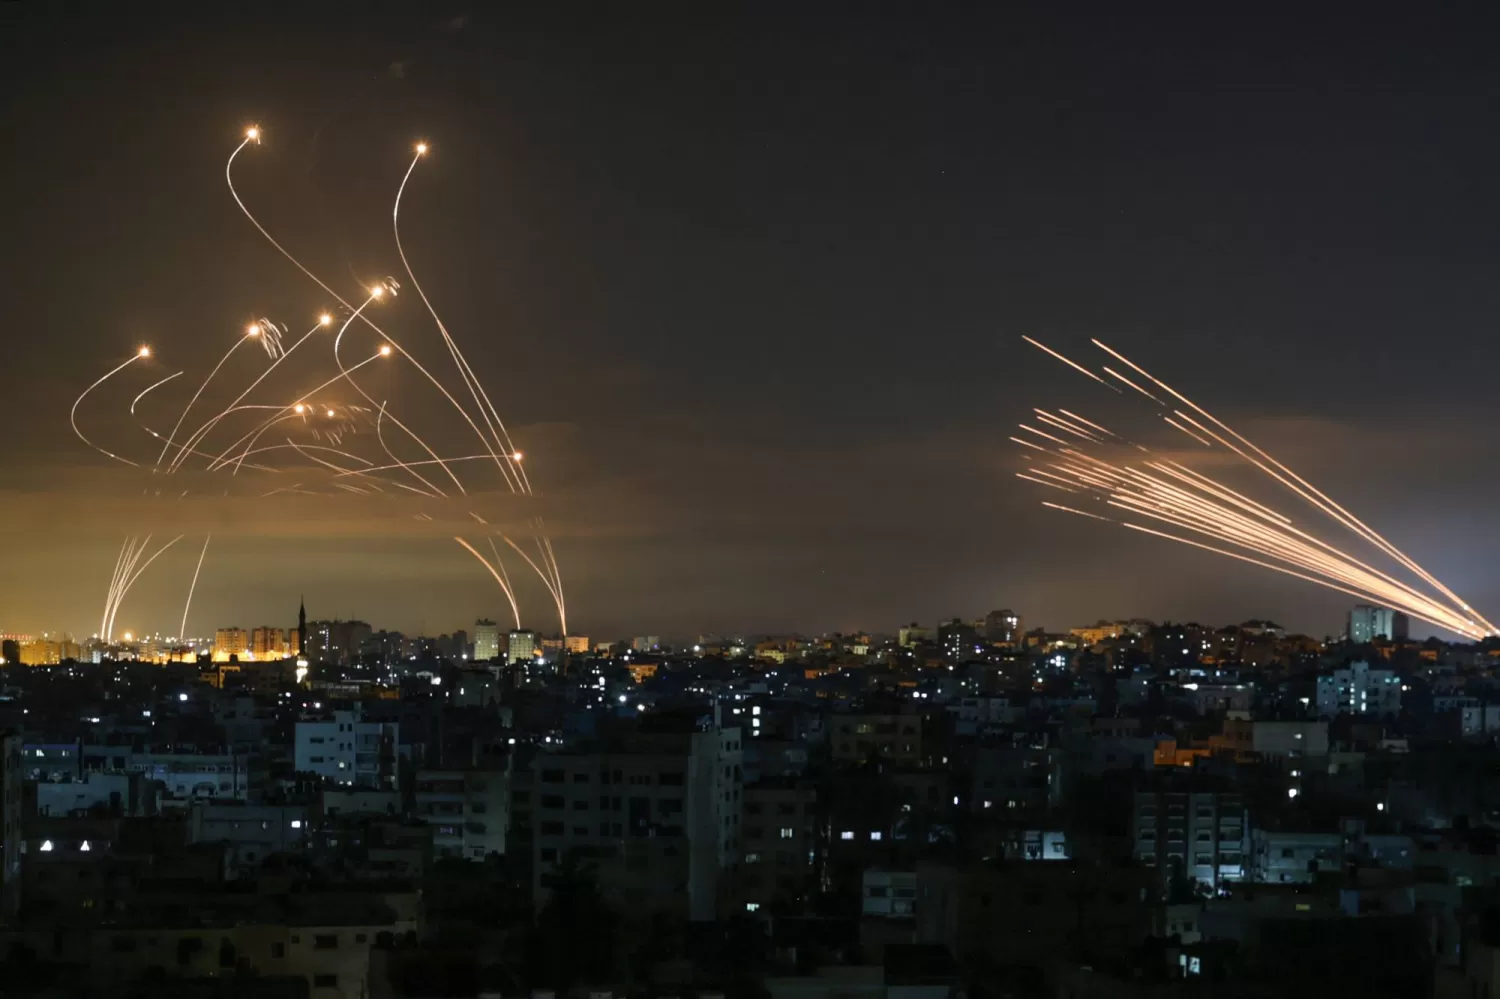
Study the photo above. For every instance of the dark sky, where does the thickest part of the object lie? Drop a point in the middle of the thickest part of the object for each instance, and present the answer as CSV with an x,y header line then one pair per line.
x,y
748,285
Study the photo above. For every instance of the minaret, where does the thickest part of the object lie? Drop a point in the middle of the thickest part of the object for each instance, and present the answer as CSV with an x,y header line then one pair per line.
x,y
301,628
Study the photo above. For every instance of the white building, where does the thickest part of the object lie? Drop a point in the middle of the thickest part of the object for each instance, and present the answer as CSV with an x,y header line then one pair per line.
x,y
522,646
342,749
486,640
1357,689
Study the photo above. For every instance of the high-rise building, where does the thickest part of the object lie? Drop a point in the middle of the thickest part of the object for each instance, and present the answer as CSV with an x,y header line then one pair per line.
x,y
230,642
659,816
1003,626
267,642
1367,623
301,632
958,640
486,640
522,645
1203,836
341,747
1357,689
576,644
336,641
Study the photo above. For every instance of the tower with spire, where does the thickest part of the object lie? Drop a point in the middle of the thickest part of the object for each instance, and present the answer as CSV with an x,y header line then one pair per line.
x,y
302,627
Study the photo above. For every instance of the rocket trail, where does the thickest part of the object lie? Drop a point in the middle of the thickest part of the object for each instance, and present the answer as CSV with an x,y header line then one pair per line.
x,y
73,412
182,628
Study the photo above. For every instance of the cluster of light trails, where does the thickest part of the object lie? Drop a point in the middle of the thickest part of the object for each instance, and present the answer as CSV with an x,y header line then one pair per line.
x,y
1117,480
318,426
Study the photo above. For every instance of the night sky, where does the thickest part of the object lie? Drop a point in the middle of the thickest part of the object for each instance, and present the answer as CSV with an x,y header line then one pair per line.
x,y
748,289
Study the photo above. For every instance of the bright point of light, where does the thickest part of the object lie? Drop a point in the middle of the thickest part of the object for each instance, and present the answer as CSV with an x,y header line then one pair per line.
x,y
517,456
143,352
84,846
330,414
421,148
377,291
46,846
182,697
253,329
640,707
252,132
128,636
325,320
622,698
1292,792
300,408
385,350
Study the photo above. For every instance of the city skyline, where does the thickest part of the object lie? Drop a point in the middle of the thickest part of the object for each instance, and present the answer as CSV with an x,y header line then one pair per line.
x,y
747,455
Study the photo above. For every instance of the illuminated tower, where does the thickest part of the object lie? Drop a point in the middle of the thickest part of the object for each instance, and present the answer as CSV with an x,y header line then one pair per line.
x,y
302,628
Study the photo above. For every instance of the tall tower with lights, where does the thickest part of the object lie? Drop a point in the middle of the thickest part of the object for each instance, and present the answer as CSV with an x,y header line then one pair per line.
x,y
301,628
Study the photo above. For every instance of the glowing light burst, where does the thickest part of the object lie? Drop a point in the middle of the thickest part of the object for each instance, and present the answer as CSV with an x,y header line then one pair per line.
x,y
325,412
1150,494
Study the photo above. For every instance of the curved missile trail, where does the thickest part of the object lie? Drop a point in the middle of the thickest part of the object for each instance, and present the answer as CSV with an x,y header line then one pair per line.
x,y
465,372
252,333
73,413
208,426
335,453
229,178
502,580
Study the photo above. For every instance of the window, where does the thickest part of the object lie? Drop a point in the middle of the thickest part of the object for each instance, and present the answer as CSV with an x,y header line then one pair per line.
x,y
326,941
552,828
325,981
875,837
581,805
847,834
278,949
359,938
879,891
580,778
552,801
787,832
552,776
752,858
752,808
670,779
